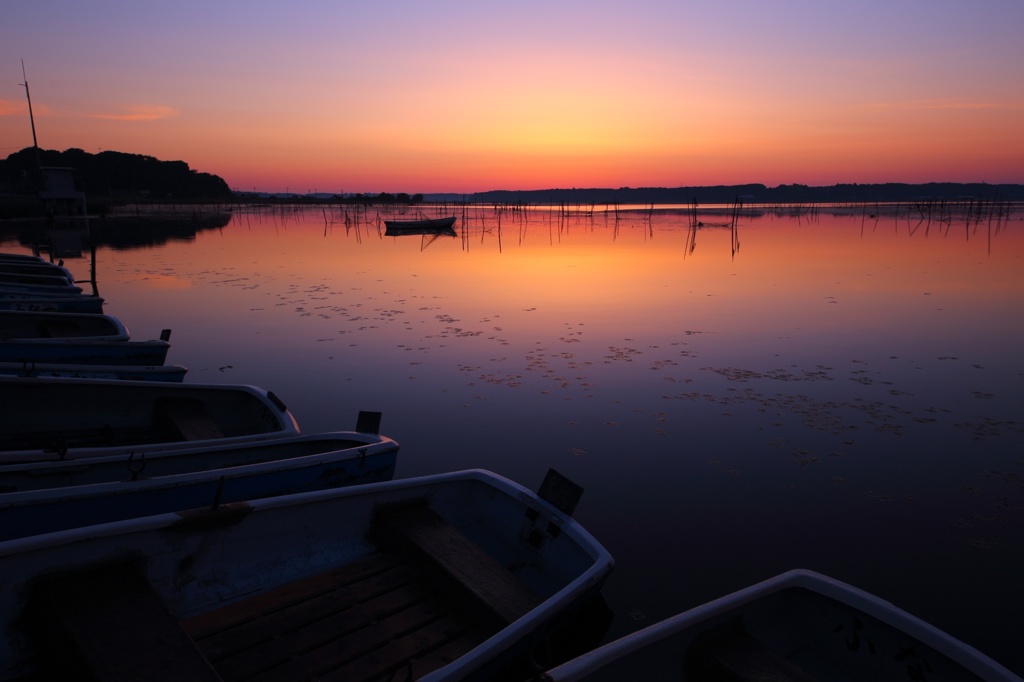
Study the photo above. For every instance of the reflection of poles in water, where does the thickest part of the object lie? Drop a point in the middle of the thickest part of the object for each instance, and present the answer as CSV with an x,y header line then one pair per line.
x,y
691,235
92,267
428,239
352,226
733,228
499,233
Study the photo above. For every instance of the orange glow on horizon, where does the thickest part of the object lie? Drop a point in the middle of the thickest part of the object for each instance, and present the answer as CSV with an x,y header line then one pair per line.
x,y
461,101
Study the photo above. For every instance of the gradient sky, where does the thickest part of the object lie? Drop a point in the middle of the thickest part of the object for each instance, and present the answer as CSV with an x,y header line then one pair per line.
x,y
472,95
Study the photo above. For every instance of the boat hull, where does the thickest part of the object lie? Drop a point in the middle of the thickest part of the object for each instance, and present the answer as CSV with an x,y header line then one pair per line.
x,y
59,328
52,496
172,373
65,289
54,278
152,352
71,303
36,268
443,226
52,419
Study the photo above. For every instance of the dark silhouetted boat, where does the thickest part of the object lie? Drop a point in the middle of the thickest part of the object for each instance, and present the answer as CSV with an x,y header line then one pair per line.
x,y
441,226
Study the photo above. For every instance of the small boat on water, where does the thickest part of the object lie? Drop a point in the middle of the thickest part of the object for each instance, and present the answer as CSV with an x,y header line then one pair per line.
x,y
51,419
57,328
799,625
36,279
25,278
442,577
22,258
61,302
443,226
174,373
86,352
43,497
36,268
32,289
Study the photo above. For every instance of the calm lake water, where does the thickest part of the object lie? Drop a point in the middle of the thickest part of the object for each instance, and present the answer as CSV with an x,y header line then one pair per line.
x,y
840,393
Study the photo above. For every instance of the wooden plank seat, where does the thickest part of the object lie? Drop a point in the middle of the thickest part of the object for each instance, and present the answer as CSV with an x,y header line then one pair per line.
x,y
186,419
108,622
456,560
372,618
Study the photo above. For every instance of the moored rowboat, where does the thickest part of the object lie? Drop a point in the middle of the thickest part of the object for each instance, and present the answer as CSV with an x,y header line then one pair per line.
x,y
68,302
57,328
440,578
83,352
24,288
36,268
44,497
175,373
48,419
54,279
799,625
21,258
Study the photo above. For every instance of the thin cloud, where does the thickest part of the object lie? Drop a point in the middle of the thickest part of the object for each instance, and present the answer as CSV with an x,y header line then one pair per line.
x,y
934,104
10,108
141,112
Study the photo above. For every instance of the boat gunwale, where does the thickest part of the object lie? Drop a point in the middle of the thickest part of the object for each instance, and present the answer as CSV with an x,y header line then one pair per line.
x,y
61,370
379,446
123,457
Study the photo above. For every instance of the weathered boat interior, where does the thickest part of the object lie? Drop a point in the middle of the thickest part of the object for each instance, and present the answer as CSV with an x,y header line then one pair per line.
x,y
428,596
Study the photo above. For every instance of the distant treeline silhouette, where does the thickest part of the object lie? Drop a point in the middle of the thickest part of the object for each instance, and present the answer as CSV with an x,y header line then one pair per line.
x,y
115,177
751,193
109,175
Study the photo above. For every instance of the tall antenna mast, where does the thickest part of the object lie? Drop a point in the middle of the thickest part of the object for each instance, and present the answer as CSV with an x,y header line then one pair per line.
x,y
31,118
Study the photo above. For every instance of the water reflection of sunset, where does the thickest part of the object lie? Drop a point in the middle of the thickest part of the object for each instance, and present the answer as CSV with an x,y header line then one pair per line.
x,y
837,273
158,281
839,392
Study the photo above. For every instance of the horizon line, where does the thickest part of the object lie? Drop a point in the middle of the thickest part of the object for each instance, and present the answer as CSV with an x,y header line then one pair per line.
x,y
629,188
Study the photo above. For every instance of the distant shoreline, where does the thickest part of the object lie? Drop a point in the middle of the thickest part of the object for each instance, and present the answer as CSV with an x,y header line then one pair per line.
x,y
750,193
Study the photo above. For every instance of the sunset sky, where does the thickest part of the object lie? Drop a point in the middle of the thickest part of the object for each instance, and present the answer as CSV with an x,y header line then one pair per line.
x,y
472,95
